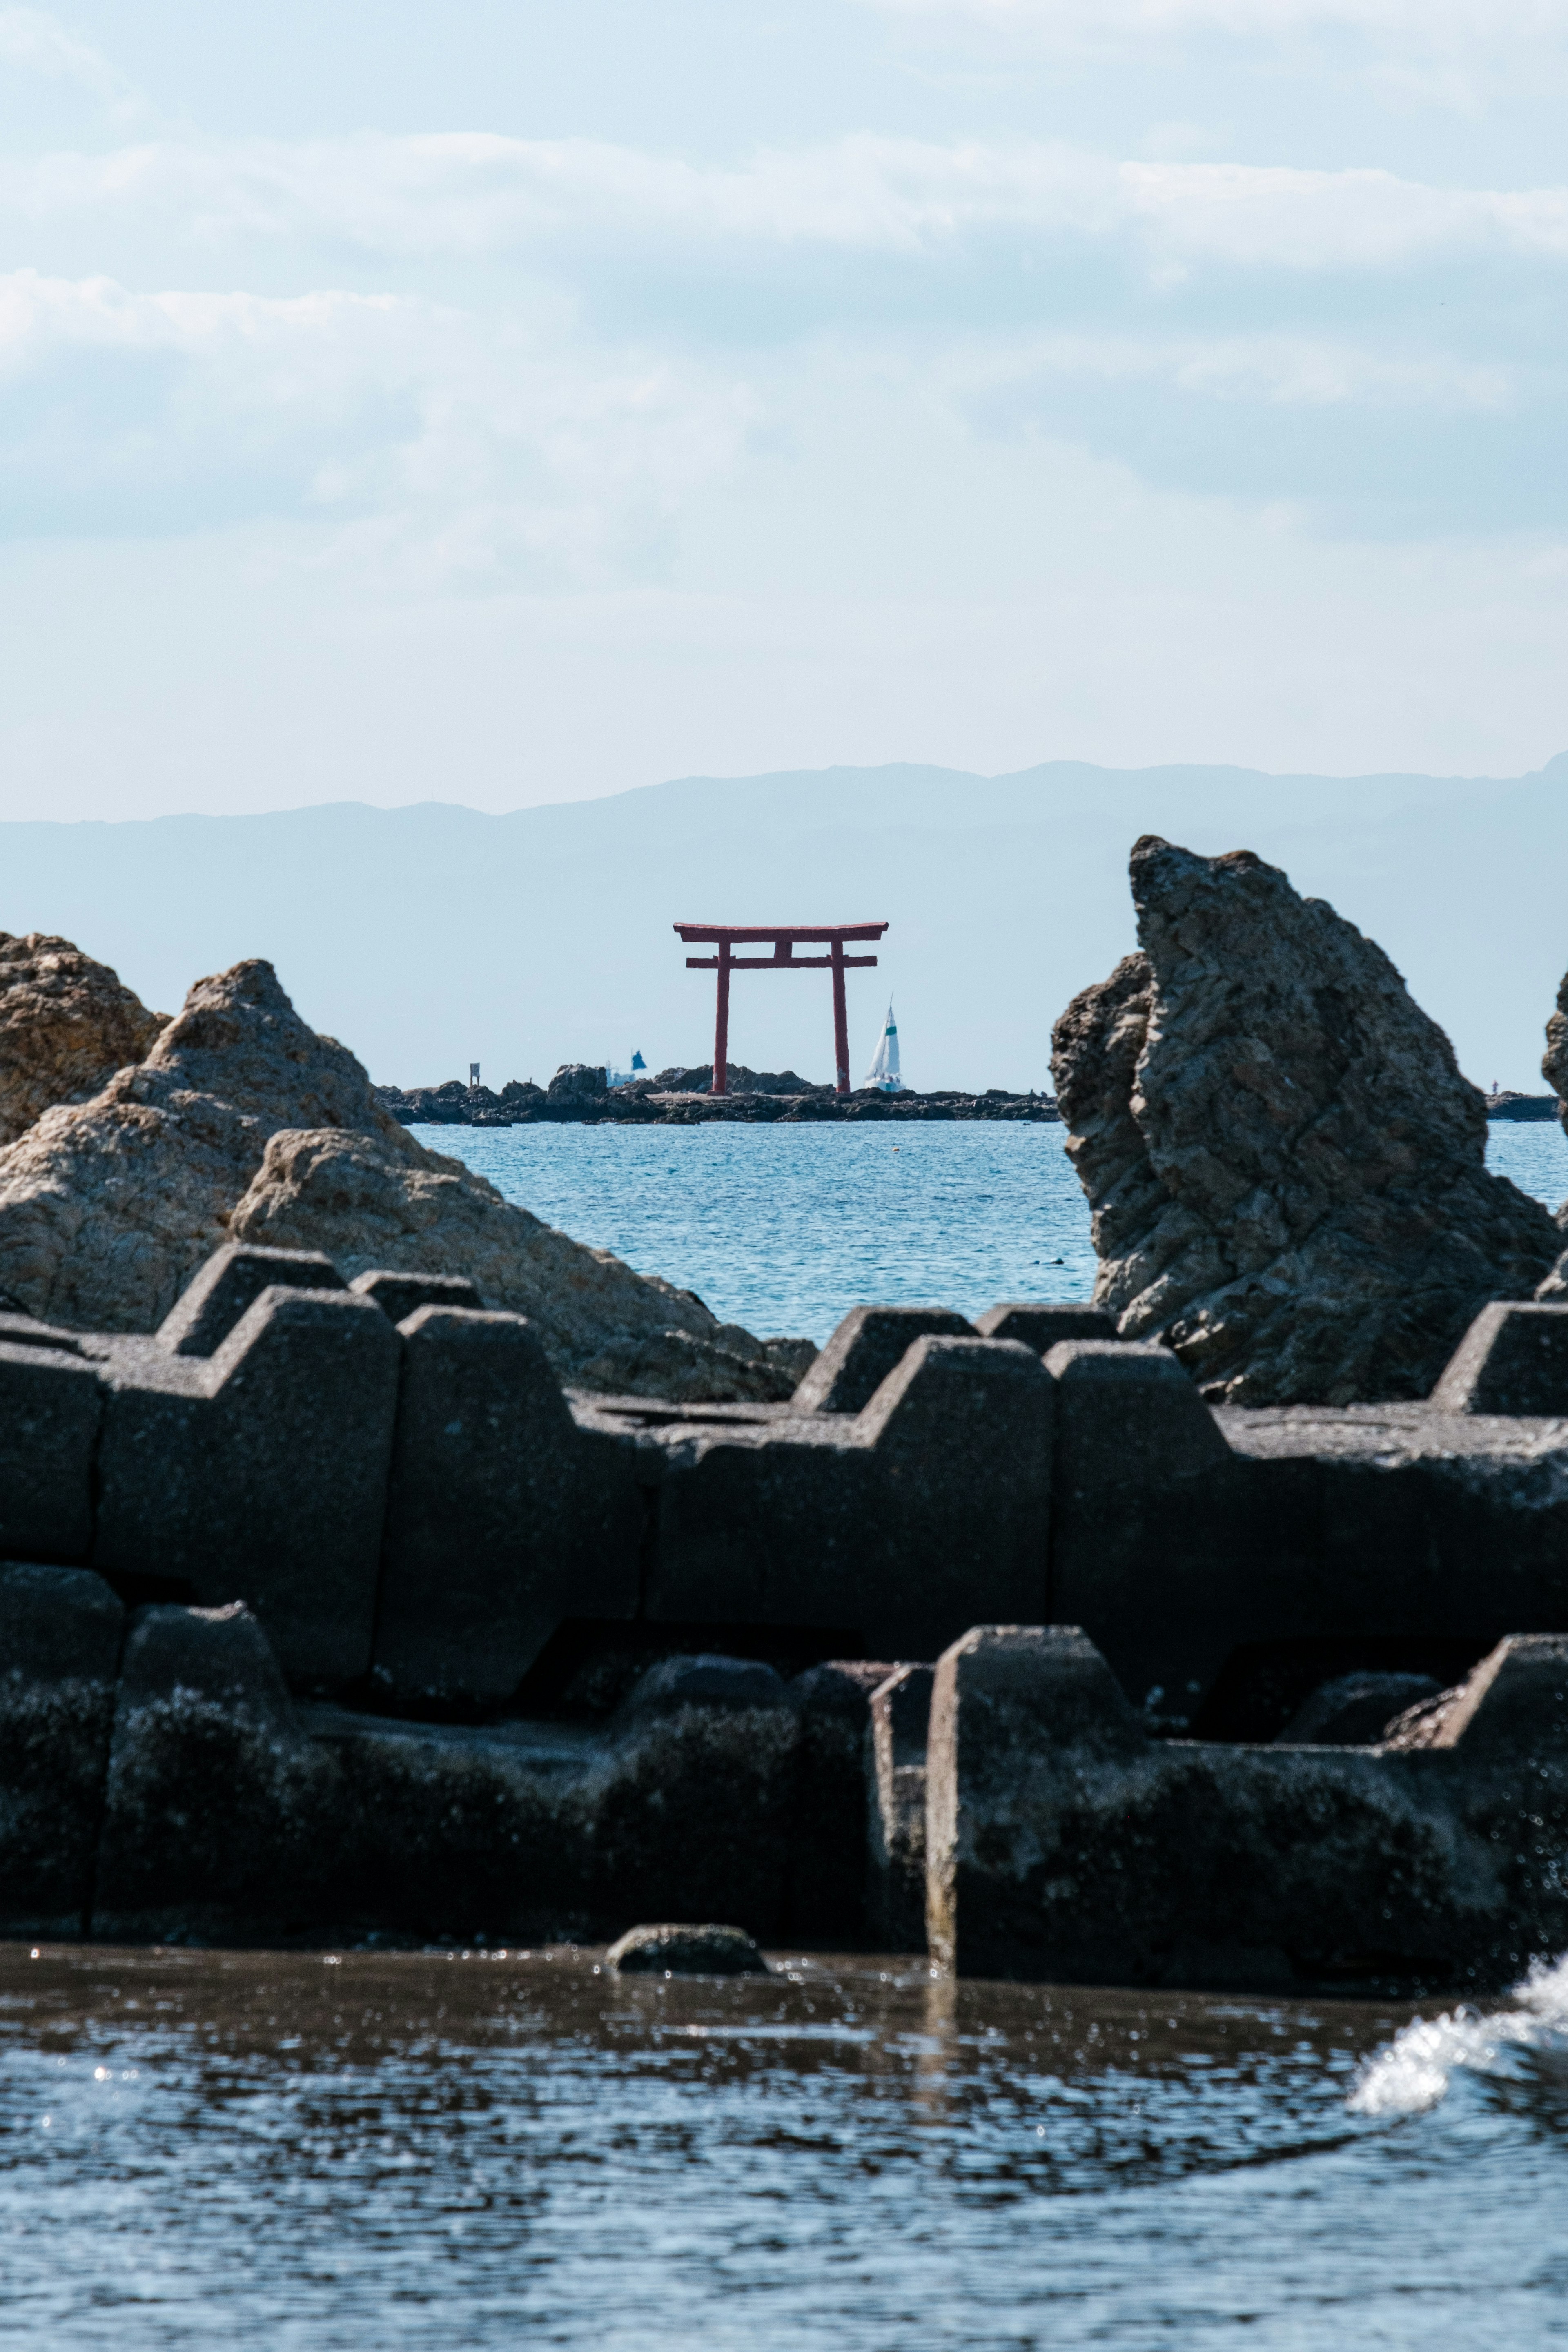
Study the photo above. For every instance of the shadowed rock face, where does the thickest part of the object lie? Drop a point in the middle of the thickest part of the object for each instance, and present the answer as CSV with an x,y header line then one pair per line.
x,y
242,1124
1555,1070
1555,1061
1285,1168
66,1024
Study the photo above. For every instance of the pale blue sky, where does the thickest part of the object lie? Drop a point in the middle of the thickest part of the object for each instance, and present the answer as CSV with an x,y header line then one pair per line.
x,y
501,403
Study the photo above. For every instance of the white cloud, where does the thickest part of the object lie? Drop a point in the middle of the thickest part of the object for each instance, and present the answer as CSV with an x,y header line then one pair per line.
x,y
473,193
1421,21
40,44
1272,370
1454,54
463,449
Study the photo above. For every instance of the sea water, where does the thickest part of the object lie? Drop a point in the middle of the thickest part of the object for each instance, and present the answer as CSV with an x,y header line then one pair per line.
x,y
785,1228
366,2152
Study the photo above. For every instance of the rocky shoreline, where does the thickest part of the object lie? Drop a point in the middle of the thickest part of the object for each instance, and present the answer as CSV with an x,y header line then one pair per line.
x,y
1510,1105
643,1105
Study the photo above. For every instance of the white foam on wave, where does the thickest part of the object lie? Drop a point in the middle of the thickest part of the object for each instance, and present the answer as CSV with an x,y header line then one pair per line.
x,y
1413,2072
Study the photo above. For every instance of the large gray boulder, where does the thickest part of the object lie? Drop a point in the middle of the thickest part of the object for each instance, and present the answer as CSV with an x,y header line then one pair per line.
x,y
1285,1168
66,1024
242,1124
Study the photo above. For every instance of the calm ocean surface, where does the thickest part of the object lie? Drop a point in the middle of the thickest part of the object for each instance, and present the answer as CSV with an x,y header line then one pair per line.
x,y
374,2152
785,1228
359,2152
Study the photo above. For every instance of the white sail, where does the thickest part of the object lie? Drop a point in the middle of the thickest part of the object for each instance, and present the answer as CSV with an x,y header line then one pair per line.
x,y
884,1070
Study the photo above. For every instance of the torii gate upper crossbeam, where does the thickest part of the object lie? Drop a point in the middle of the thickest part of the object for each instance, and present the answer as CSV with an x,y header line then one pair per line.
x,y
726,937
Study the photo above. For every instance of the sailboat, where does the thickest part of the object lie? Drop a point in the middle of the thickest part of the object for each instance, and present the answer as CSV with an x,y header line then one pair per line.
x,y
883,1073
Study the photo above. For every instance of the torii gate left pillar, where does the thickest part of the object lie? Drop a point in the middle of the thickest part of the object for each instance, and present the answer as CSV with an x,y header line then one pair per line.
x,y
785,938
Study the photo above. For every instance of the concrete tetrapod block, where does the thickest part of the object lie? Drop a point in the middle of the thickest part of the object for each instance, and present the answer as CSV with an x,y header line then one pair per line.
x,y
260,1474
1063,1844
1147,1515
1043,1327
886,1528
398,1295
502,1517
232,1280
222,1821
1512,1360
867,1345
549,1832
827,1861
51,1406
962,1433
60,1655
896,1807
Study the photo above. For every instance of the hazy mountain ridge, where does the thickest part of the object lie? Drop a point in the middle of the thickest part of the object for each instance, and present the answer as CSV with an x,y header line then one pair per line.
x,y
432,935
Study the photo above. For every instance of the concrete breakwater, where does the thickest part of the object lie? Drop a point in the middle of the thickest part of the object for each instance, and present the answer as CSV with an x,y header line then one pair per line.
x,y
327,1611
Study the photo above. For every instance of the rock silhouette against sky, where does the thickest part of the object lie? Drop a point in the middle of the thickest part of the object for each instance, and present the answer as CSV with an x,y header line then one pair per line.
x,y
1285,1168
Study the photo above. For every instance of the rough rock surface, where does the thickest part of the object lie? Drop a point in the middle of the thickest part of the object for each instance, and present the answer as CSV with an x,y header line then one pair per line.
x,y
574,1078
1285,1168
738,1079
681,1951
1555,1070
66,1024
242,1124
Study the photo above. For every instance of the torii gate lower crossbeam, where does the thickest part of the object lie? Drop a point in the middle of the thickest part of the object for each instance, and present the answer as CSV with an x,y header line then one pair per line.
x,y
785,938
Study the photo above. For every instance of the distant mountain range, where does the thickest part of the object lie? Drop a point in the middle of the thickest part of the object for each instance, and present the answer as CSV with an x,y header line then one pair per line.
x,y
433,936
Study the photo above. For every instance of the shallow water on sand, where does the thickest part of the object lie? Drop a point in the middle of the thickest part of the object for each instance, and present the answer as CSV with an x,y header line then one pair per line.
x,y
489,2148
787,1228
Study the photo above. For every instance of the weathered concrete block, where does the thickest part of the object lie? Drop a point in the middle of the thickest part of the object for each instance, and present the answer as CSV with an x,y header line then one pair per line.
x,y
502,1518
1045,1328
399,1295
1512,1360
703,1679
51,1406
60,1653
888,1529
1515,1704
867,1345
545,1831
896,1809
1353,1710
231,1281
963,1435
259,1473
1063,1844
1146,1512
222,1820
827,1860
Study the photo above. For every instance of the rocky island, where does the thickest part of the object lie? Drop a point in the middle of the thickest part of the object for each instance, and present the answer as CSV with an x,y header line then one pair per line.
x,y
682,1097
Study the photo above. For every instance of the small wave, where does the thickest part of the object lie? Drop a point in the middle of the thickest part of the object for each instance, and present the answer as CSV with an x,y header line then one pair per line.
x,y
1413,2072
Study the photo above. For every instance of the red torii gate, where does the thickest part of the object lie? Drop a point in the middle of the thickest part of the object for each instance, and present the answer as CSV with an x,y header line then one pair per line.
x,y
784,937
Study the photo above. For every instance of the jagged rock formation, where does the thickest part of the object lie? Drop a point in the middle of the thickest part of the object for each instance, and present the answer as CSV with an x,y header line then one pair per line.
x,y
602,1327
1555,1070
66,1024
1555,1061
1286,1167
243,1124
575,1078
